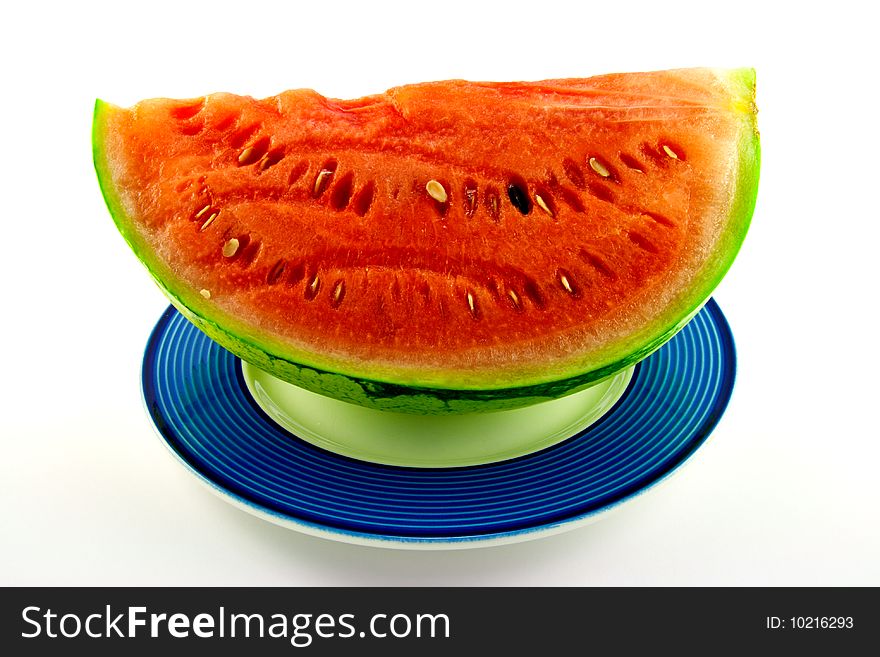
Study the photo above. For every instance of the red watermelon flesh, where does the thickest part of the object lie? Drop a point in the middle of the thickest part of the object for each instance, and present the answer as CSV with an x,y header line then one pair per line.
x,y
485,244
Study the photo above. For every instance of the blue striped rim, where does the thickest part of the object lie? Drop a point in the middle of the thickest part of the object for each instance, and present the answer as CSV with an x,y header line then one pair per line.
x,y
196,395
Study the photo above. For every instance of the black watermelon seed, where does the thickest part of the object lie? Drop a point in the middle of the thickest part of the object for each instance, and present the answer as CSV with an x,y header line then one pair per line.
x,y
519,198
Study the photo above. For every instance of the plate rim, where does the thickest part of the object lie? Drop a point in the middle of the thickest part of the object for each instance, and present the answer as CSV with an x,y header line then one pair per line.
x,y
450,541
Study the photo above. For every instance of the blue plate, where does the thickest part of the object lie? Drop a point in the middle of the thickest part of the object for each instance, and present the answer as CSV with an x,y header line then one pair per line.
x,y
196,395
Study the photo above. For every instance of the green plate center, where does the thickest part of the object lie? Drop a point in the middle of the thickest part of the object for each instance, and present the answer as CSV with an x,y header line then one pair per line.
x,y
430,441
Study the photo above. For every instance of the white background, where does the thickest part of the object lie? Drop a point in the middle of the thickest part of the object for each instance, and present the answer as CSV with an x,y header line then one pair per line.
x,y
785,492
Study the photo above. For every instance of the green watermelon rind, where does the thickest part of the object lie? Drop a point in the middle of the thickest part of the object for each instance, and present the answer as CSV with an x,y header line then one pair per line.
x,y
389,390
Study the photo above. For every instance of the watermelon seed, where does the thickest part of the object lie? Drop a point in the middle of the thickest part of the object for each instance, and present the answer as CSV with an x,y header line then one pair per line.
x,y
436,191
209,221
322,180
472,305
271,158
202,211
518,198
312,288
205,293
493,203
671,153
514,297
230,248
254,152
338,293
541,204
599,168
566,281
470,197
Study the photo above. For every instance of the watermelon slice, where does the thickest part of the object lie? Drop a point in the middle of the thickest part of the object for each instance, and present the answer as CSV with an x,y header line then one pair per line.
x,y
448,246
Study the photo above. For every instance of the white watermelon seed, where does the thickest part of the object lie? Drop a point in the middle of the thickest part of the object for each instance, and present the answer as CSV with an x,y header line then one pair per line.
x,y
566,283
209,221
436,191
203,211
319,181
230,248
338,291
599,168
542,204
671,153
245,155
513,297
205,293
471,304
